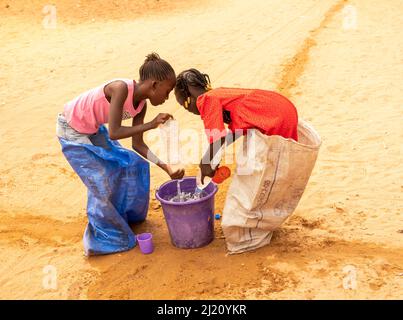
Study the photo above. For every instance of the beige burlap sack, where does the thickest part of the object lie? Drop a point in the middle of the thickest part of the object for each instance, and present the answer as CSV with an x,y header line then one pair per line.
x,y
267,186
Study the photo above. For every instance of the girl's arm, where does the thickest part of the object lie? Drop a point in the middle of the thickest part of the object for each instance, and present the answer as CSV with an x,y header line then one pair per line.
x,y
139,145
118,92
205,163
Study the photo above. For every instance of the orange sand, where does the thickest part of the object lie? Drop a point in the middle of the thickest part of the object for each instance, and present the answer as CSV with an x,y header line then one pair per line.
x,y
345,238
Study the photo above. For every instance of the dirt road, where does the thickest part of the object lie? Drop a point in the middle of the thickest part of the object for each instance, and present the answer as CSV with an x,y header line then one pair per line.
x,y
344,75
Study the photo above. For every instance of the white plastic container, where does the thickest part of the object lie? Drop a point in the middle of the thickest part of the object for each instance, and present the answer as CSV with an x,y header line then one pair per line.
x,y
170,141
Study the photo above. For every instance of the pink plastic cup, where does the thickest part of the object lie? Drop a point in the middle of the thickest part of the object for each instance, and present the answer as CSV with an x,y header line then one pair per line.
x,y
145,241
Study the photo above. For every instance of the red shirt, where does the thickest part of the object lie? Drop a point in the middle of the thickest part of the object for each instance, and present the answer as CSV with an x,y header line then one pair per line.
x,y
267,111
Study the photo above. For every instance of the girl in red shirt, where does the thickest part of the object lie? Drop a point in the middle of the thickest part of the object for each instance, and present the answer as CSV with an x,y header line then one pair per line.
x,y
240,109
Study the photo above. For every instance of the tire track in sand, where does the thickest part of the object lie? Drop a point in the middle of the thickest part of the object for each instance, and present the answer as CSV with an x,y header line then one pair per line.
x,y
295,66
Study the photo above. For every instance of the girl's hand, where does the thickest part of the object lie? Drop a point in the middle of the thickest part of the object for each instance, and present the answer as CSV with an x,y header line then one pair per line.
x,y
160,119
206,171
175,173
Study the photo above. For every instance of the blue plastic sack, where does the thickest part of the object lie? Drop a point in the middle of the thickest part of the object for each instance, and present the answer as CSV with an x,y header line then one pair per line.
x,y
118,182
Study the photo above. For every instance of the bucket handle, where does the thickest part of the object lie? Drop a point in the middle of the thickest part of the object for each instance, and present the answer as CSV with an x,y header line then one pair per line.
x,y
156,192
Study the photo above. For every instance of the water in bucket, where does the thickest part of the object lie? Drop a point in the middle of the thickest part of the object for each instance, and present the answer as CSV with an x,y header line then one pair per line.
x,y
221,174
182,196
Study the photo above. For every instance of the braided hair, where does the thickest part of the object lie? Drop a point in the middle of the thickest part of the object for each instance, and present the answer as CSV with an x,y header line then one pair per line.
x,y
195,78
191,77
156,68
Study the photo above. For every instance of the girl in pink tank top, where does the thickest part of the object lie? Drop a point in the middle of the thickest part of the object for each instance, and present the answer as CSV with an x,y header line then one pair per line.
x,y
121,99
118,180
91,109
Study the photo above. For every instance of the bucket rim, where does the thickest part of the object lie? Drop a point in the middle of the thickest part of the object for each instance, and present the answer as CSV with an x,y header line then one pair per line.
x,y
183,203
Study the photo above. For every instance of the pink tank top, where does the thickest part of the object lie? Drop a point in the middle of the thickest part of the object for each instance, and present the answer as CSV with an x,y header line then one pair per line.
x,y
91,109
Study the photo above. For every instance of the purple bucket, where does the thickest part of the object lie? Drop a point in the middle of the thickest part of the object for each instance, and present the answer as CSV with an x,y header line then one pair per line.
x,y
190,224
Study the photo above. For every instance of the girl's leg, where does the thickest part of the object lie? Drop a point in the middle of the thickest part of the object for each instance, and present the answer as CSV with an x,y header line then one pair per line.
x,y
63,130
117,191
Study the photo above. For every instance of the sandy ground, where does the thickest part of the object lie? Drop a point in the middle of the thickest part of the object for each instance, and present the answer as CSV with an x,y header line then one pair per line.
x,y
345,239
